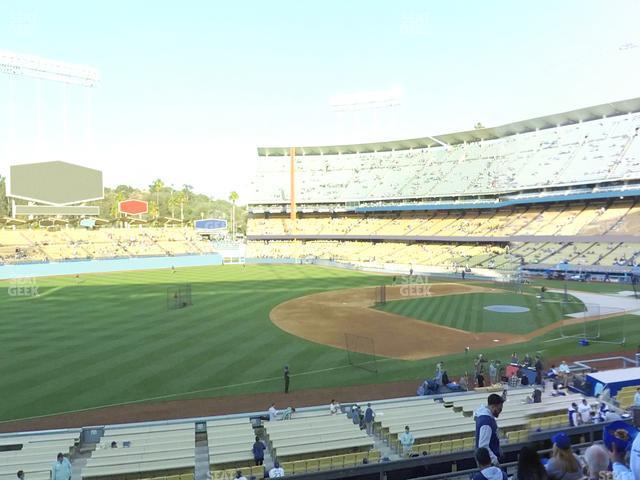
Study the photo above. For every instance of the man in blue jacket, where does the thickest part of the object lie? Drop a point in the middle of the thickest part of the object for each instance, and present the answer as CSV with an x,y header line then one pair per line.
x,y
487,427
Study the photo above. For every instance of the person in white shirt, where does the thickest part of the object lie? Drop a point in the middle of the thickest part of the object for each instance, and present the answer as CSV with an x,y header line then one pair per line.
x,y
277,471
584,409
273,413
407,441
563,373
636,398
334,407
239,476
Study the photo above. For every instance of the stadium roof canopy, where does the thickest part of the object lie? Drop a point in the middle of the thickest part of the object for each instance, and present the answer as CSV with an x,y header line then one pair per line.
x,y
549,121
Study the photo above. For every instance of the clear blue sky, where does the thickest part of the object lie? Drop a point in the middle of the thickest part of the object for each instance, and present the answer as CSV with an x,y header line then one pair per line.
x,y
189,89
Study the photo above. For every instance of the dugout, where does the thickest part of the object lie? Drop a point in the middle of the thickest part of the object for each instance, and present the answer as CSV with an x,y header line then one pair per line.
x,y
614,380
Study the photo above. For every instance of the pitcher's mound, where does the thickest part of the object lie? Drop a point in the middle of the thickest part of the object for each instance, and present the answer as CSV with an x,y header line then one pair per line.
x,y
506,309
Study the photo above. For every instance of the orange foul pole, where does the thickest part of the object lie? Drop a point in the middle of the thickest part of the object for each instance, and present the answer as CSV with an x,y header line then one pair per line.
x,y
292,182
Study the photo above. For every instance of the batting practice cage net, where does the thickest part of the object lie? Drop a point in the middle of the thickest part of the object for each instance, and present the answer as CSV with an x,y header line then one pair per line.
x,y
361,352
510,280
179,296
380,295
593,324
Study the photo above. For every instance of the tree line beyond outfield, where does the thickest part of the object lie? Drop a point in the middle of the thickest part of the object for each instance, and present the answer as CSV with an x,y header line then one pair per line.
x,y
164,201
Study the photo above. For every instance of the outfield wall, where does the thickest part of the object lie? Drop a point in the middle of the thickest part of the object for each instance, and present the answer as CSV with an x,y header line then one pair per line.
x,y
105,265
388,268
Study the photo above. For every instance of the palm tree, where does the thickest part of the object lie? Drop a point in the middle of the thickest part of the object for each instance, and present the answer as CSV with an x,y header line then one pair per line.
x,y
233,198
117,198
187,190
157,187
173,202
180,198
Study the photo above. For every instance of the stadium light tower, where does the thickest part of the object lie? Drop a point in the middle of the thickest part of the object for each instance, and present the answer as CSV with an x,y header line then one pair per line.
x,y
45,69
359,104
19,65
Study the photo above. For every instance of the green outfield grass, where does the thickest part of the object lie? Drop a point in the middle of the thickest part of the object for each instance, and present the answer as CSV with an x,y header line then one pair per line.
x,y
108,338
467,312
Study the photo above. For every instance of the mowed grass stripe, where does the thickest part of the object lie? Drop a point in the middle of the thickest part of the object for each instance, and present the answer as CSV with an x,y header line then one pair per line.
x,y
109,338
167,350
467,312
114,352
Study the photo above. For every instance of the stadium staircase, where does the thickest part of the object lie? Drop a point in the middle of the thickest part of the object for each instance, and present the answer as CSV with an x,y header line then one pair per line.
x,y
202,466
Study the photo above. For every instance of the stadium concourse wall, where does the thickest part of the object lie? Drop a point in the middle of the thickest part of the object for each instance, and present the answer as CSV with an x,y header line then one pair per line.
x,y
76,267
389,268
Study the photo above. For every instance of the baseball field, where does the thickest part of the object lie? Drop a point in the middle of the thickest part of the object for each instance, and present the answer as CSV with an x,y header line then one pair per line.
x,y
110,339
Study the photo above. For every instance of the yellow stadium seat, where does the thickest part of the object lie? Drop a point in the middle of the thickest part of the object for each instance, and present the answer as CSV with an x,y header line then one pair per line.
x,y
258,471
434,448
469,443
534,424
312,465
337,461
446,446
287,466
300,466
325,463
360,456
374,456
456,445
349,460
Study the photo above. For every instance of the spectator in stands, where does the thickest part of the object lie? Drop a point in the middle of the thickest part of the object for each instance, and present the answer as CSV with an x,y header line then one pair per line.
x,y
334,407
620,469
239,475
258,451
563,464
493,373
20,475
439,373
487,471
636,398
514,358
603,410
574,416
114,444
61,469
355,414
288,413
273,412
462,382
539,370
487,427
584,409
529,465
407,441
536,396
596,458
369,416
563,373
286,379
514,381
527,361
277,471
